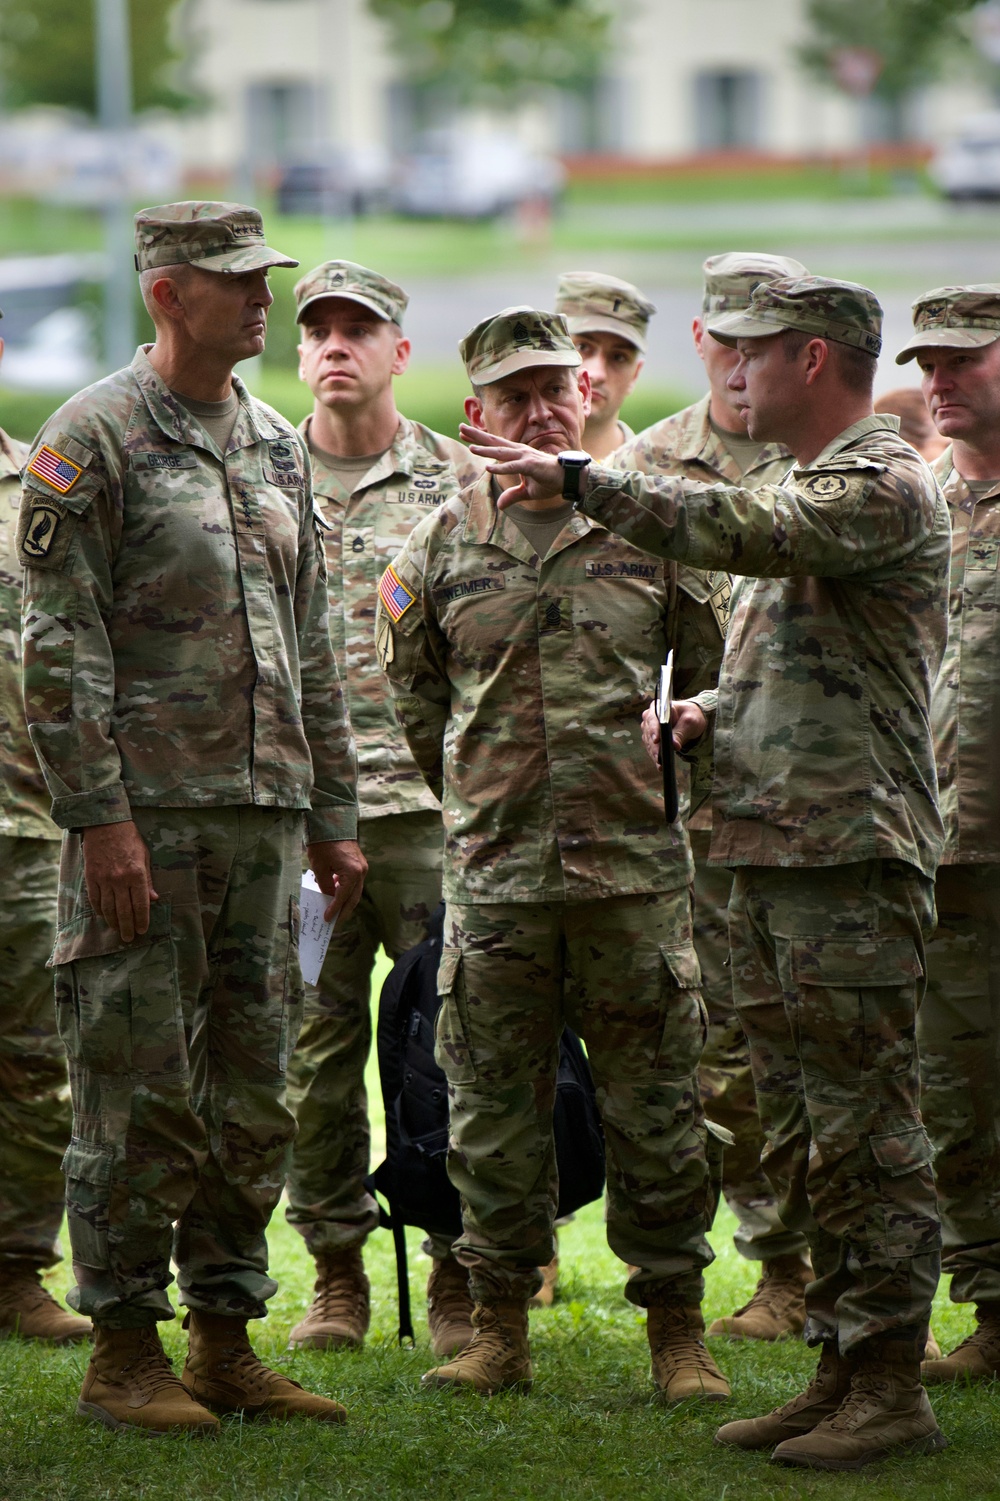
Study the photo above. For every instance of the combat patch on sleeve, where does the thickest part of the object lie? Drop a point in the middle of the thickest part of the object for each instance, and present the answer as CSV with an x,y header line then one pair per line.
x,y
40,529
55,469
825,486
394,594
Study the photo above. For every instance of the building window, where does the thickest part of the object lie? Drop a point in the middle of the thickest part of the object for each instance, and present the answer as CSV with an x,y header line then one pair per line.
x,y
284,121
727,110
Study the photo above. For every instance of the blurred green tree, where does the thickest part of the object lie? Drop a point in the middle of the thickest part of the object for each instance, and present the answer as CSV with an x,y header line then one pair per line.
x,y
887,48
477,48
47,54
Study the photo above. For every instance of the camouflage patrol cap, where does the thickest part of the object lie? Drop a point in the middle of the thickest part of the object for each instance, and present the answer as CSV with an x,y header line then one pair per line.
x,y
730,278
593,303
839,310
357,284
954,318
516,339
212,236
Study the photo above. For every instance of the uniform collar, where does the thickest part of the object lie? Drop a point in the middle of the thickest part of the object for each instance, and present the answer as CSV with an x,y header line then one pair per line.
x,y
252,423
878,422
953,486
486,526
699,443
402,457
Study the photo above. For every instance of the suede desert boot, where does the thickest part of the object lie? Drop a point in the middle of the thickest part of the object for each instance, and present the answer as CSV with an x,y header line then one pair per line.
x,y
498,1357
223,1372
886,1412
820,1400
546,1294
449,1307
29,1311
130,1383
682,1366
340,1312
777,1309
977,1358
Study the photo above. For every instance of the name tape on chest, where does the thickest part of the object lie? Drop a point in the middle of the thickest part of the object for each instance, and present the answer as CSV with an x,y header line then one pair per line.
x,y
395,596
467,587
55,469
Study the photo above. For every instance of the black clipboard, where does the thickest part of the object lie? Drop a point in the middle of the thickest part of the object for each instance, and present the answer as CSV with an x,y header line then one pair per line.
x,y
668,765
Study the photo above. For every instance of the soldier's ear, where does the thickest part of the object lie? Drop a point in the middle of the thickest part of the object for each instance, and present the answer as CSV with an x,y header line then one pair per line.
x,y
399,364
474,412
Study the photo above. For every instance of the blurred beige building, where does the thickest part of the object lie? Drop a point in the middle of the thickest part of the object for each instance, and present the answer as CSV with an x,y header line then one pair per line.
x,y
287,79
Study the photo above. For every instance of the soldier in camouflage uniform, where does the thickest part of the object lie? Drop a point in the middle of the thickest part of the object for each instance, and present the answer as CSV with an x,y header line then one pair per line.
x,y
825,802
375,474
608,321
708,443
520,649
34,1093
956,342
183,700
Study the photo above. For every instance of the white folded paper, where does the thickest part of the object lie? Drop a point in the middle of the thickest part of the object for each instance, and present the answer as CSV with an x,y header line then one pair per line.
x,y
314,935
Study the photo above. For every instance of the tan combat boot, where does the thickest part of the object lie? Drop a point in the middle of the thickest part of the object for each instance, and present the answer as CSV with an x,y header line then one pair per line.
x,y
340,1311
885,1412
777,1309
498,1357
29,1311
449,1307
682,1367
223,1372
975,1359
546,1294
130,1383
820,1400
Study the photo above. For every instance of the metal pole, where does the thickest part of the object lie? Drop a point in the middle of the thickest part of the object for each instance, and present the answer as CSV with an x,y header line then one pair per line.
x,y
114,109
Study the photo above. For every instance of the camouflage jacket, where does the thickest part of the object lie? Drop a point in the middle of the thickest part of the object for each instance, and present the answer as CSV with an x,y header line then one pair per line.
x,y
967,691
838,623
520,686
24,802
686,446
363,532
176,620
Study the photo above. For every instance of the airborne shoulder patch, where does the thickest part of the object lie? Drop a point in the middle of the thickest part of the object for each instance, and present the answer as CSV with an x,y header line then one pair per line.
x,y
55,469
826,486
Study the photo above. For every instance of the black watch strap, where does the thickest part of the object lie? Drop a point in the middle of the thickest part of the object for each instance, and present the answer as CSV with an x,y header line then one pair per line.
x,y
574,466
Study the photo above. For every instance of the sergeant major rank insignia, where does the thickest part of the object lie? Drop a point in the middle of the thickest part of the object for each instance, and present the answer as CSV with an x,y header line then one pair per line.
x,y
55,469
826,486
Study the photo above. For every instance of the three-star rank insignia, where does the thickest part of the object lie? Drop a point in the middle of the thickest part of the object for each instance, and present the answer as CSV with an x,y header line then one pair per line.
x,y
825,486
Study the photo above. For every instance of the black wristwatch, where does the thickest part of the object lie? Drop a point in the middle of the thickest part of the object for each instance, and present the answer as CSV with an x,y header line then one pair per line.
x,y
574,461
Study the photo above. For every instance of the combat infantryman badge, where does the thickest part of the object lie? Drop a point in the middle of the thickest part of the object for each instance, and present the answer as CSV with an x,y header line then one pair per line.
x,y
55,469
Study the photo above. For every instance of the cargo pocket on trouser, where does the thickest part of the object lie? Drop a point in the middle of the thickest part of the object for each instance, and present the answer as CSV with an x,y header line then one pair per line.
x,y
118,1005
452,1048
88,1169
684,1027
856,1005
907,1222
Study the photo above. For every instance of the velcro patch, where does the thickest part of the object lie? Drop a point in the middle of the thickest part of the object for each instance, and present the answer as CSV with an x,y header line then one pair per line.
x,y
462,590
40,532
394,594
55,469
624,568
825,486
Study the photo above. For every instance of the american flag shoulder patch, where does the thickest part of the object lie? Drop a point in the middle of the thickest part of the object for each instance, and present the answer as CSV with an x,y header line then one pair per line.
x,y
55,469
394,594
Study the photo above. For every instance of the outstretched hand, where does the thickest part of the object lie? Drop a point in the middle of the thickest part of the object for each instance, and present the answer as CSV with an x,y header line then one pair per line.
x,y
540,475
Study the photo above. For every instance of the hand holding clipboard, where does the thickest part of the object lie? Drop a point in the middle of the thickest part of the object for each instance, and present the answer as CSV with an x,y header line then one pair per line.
x,y
664,700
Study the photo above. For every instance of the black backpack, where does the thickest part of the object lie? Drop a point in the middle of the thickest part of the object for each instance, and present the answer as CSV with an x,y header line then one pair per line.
x,y
413,1179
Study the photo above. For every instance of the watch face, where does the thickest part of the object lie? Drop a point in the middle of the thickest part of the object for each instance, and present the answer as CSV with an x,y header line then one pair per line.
x,y
573,457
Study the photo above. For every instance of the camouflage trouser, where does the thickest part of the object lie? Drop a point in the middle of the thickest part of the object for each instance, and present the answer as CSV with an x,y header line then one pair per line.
x,y
621,972
328,1202
958,1030
34,1095
178,1044
827,966
725,1075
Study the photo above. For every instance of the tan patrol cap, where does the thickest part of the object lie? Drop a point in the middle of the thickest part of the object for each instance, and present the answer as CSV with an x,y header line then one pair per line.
x,y
357,283
839,310
954,318
593,303
516,339
731,277
212,236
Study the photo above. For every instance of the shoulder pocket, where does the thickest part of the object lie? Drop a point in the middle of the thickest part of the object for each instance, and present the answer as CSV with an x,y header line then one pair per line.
x,y
59,484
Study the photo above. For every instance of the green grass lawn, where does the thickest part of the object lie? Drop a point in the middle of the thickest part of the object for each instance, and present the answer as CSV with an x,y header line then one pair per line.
x,y
591,1428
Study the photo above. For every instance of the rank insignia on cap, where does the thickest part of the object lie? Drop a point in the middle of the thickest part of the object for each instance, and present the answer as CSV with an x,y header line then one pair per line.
x,y
394,594
55,469
826,486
